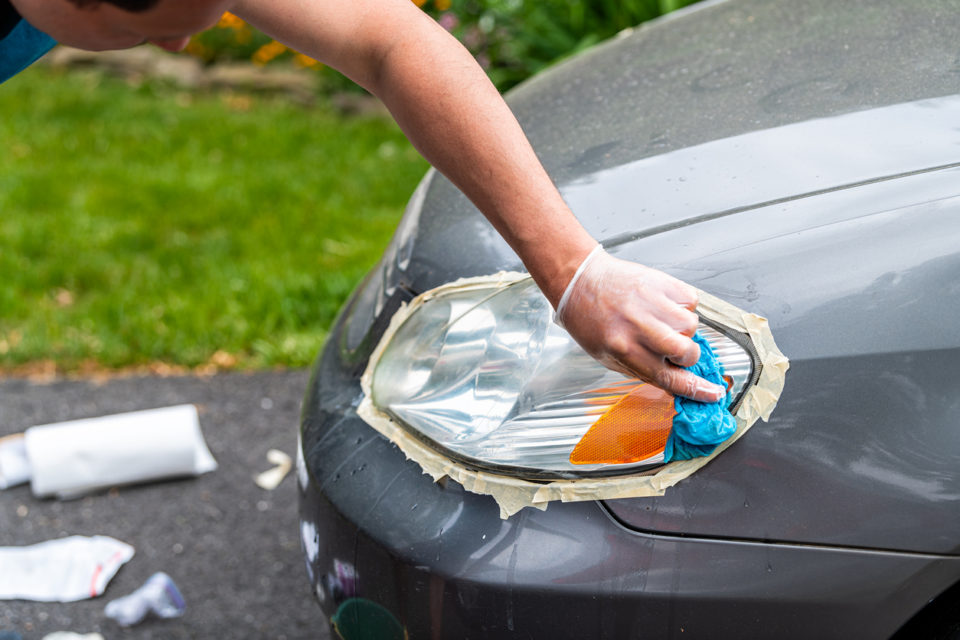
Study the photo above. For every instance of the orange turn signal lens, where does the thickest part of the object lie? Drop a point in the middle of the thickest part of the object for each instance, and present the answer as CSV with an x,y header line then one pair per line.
x,y
632,430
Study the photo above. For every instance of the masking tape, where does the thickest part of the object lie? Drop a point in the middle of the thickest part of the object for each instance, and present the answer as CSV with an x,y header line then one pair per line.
x,y
513,494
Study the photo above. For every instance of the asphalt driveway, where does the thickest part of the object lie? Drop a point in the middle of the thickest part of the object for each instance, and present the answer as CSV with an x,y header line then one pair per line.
x,y
232,548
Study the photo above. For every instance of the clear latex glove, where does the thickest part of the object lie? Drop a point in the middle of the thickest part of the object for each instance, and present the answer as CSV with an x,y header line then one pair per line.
x,y
638,321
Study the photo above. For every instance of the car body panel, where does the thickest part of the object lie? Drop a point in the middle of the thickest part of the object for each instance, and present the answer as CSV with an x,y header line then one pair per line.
x,y
720,70
412,543
716,71
446,565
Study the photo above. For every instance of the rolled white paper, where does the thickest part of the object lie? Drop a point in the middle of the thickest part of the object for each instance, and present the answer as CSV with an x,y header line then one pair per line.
x,y
72,458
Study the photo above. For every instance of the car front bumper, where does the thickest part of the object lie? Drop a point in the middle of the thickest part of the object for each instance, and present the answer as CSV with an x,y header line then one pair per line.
x,y
441,563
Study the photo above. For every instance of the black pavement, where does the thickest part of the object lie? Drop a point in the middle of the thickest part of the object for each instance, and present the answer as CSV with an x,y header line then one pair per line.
x,y
232,548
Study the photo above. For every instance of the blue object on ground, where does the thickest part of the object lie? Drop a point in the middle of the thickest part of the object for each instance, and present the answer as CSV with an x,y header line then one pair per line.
x,y
158,596
10,635
699,427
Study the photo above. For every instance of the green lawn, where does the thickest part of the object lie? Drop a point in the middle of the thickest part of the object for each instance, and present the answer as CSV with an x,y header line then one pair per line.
x,y
145,224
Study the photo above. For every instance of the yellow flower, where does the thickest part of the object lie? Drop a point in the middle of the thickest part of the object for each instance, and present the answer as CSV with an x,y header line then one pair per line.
x,y
230,21
306,61
442,5
268,52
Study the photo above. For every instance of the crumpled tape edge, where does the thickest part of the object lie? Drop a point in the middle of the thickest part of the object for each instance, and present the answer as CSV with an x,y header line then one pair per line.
x,y
513,494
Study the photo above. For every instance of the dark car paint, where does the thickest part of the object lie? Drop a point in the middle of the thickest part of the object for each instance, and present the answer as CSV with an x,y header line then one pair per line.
x,y
647,95
779,156
447,566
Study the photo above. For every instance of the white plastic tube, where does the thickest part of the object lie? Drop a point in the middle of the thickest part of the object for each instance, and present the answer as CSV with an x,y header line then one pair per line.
x,y
72,458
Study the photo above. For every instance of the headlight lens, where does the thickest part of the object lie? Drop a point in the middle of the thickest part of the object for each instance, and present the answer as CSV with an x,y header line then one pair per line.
x,y
484,375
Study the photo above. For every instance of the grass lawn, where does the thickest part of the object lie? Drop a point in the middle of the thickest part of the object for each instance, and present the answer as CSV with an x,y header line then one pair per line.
x,y
145,224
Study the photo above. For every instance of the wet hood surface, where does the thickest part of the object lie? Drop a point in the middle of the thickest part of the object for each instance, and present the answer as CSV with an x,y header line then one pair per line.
x,y
831,207
746,98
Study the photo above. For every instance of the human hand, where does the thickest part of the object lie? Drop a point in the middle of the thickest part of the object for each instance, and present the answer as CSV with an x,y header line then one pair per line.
x,y
637,321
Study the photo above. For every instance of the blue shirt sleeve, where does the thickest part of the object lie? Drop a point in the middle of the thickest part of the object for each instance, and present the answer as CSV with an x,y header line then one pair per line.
x,y
21,47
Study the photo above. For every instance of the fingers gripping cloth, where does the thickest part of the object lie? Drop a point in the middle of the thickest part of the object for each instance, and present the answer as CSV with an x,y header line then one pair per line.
x,y
699,427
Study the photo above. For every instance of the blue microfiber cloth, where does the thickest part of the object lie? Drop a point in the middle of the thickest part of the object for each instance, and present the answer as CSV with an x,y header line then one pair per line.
x,y
699,427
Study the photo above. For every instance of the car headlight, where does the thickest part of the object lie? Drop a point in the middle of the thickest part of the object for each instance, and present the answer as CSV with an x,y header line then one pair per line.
x,y
481,374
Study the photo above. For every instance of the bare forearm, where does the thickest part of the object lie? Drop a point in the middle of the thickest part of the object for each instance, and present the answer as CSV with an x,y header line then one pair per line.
x,y
459,122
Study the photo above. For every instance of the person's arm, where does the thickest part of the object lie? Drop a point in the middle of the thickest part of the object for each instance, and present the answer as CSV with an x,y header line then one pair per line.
x,y
631,318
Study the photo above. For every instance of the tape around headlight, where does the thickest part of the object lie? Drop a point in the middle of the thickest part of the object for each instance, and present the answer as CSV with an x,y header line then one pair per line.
x,y
472,381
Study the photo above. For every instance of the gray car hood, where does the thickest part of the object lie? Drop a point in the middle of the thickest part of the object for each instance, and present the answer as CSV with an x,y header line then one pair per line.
x,y
829,206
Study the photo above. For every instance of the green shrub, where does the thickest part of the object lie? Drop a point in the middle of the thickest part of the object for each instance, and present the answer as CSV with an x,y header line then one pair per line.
x,y
511,39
